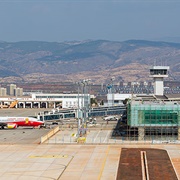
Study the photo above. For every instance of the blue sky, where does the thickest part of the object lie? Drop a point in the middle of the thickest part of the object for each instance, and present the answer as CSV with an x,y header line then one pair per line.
x,y
65,20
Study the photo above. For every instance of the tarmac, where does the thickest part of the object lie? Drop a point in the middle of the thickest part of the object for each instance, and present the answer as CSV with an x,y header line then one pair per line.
x,y
65,162
21,112
23,158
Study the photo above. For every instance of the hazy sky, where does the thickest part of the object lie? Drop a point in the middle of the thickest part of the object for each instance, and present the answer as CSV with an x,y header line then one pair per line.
x,y
68,20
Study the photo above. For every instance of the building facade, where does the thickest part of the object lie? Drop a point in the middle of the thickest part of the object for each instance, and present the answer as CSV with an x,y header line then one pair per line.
x,y
10,89
18,92
37,100
158,119
3,91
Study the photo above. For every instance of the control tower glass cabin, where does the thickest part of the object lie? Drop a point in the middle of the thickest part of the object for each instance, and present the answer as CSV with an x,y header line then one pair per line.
x,y
159,73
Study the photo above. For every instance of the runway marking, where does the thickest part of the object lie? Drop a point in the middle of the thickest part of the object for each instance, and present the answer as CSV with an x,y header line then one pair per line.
x,y
106,136
144,166
96,136
103,164
48,156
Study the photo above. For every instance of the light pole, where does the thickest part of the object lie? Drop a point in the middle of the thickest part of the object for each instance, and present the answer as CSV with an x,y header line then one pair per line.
x,y
85,107
84,103
110,88
78,122
112,82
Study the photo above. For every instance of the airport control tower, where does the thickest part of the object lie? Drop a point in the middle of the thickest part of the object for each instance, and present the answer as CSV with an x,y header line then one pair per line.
x,y
159,73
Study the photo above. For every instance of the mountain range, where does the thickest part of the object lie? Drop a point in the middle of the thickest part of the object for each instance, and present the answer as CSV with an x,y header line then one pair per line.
x,y
98,60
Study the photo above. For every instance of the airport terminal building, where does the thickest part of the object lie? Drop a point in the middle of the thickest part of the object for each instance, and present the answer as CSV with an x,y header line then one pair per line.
x,y
37,100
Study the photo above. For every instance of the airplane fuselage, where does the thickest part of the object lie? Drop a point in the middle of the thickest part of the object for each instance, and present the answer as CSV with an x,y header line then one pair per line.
x,y
13,122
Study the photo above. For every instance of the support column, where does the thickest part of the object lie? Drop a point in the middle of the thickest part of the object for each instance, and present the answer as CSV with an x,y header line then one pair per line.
x,y
48,104
24,104
31,104
141,134
39,104
178,133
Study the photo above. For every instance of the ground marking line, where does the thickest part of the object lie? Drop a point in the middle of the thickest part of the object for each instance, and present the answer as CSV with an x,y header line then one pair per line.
x,y
103,164
48,156
65,168
173,165
96,136
106,136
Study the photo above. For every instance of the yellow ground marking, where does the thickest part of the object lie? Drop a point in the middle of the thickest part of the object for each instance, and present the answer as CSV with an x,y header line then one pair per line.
x,y
81,140
103,164
48,156
73,134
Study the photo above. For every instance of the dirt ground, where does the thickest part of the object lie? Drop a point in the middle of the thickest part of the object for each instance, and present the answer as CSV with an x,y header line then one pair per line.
x,y
158,162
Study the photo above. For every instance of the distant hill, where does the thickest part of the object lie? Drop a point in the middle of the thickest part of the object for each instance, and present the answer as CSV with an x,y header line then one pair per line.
x,y
34,61
170,39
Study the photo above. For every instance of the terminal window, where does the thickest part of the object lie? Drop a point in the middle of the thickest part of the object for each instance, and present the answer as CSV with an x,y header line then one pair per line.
x,y
160,117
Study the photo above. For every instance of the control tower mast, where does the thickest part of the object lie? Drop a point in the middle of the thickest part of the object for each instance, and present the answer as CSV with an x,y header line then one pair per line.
x,y
159,73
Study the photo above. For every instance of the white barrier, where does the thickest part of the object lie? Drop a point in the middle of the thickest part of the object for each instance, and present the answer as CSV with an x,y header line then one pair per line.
x,y
49,134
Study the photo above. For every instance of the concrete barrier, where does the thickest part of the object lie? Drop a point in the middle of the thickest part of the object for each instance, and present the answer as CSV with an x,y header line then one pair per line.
x,y
49,134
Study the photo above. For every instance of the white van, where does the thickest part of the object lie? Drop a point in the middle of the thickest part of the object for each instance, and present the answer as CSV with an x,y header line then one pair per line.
x,y
110,118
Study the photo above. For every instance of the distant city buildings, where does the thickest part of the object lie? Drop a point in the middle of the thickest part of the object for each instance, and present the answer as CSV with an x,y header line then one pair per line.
x,y
18,91
11,90
141,88
3,91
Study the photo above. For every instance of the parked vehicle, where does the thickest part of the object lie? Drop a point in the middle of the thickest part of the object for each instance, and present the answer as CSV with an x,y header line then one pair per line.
x,y
110,118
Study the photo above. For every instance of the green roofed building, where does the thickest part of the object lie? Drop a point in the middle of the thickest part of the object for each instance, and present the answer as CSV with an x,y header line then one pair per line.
x,y
155,116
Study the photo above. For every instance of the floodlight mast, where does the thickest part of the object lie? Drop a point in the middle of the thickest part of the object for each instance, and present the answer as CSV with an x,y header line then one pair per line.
x,y
110,88
84,104
85,108
112,82
79,122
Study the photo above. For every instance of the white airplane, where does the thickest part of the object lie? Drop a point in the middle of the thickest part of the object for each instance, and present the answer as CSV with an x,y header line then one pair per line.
x,y
14,122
